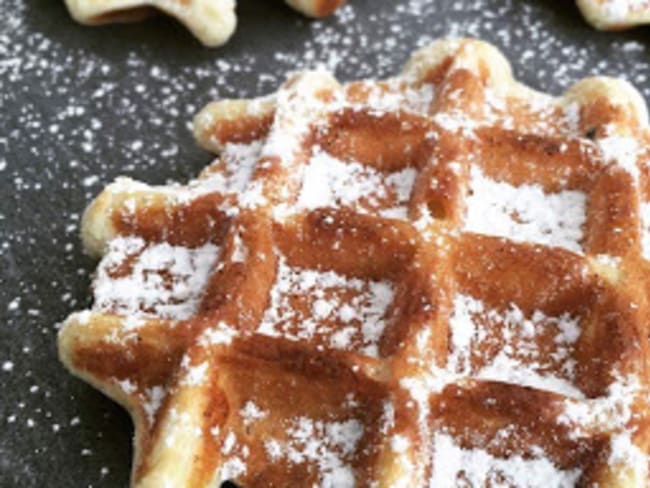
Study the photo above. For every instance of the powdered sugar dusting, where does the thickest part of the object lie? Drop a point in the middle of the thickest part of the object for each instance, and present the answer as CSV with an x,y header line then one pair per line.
x,y
525,213
619,10
398,97
298,108
622,151
611,415
329,182
508,346
162,280
455,466
152,400
329,445
645,229
341,312
237,163
221,333
625,453
251,413
195,375
233,468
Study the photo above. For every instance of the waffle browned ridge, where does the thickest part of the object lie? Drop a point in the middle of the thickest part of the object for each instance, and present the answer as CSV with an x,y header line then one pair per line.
x,y
435,280
213,22
615,14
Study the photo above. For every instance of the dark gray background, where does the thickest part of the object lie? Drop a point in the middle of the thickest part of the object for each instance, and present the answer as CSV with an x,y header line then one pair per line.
x,y
79,106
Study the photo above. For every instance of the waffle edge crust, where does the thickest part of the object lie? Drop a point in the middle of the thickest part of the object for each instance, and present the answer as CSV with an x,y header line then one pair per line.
x,y
438,279
213,22
615,14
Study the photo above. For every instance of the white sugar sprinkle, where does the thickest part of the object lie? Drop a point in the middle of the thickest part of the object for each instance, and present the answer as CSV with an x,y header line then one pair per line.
x,y
329,182
519,359
250,412
324,293
221,333
146,289
525,213
645,229
476,467
196,375
622,151
329,445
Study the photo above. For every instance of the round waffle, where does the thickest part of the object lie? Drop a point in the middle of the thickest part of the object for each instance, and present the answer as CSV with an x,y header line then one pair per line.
x,y
211,21
434,280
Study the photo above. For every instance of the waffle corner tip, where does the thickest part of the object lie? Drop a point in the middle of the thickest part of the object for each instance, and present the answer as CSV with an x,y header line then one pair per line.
x,y
615,15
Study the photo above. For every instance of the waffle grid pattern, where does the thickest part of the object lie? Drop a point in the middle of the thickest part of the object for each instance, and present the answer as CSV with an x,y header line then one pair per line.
x,y
434,280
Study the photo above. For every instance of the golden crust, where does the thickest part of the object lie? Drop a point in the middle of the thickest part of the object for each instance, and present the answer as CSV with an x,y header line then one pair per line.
x,y
213,22
227,385
615,14
316,8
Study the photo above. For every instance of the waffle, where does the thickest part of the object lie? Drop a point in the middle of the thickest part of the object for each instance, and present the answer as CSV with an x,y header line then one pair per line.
x,y
434,280
211,21
615,14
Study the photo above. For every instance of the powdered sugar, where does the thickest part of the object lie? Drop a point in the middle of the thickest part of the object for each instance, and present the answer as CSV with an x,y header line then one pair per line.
x,y
610,414
507,346
622,151
234,454
238,161
127,386
221,333
625,453
233,468
195,375
162,280
341,312
152,400
525,213
619,10
455,466
645,229
251,413
298,108
329,182
329,445
398,98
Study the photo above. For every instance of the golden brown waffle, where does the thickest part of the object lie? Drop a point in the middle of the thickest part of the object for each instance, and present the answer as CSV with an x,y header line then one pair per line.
x,y
211,21
615,14
434,280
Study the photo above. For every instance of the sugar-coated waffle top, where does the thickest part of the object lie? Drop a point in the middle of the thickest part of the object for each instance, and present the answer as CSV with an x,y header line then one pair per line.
x,y
211,21
434,280
615,14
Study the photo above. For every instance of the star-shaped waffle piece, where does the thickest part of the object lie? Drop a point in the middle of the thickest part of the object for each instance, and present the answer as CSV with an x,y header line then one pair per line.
x,y
615,14
211,21
434,280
